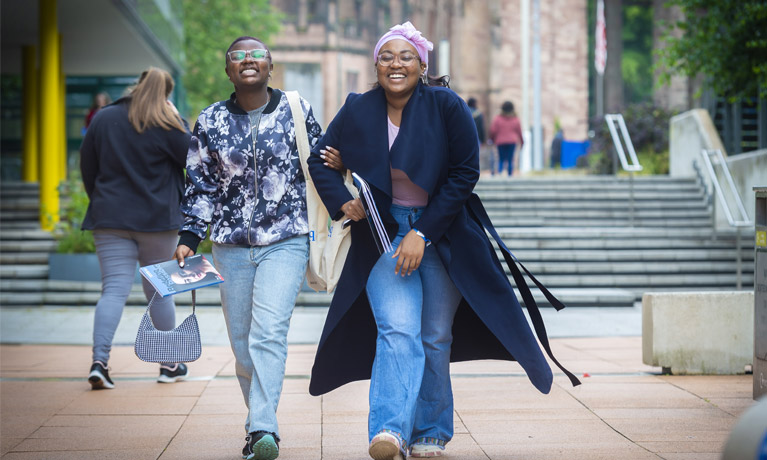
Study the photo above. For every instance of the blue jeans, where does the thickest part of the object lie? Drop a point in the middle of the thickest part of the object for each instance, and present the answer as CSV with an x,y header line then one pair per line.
x,y
506,154
410,392
258,295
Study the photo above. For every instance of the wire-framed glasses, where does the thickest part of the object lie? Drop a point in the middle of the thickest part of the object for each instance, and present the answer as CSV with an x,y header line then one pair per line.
x,y
406,58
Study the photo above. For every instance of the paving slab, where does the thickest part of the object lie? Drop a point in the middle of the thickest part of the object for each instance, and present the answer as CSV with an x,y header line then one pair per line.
x,y
624,409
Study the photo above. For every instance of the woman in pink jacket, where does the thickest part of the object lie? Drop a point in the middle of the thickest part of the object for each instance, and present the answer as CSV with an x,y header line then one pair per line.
x,y
506,133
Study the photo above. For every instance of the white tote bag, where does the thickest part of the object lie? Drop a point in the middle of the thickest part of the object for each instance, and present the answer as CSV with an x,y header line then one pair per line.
x,y
328,241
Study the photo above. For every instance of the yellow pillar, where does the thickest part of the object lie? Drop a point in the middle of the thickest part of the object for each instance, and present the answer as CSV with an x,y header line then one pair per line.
x,y
29,164
62,113
50,139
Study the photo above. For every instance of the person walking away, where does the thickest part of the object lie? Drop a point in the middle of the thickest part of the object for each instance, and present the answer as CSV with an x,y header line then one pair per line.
x,y
132,163
479,123
245,183
506,134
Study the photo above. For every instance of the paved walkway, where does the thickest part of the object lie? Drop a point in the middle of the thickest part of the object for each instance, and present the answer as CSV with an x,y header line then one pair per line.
x,y
624,409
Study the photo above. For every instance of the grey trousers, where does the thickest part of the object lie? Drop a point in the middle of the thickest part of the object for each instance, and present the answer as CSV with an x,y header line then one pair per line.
x,y
118,252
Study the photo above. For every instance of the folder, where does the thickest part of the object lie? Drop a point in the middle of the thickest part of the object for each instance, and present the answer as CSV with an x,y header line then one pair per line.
x,y
373,216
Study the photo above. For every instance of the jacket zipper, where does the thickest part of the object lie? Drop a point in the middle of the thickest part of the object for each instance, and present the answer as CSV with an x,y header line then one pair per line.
x,y
255,176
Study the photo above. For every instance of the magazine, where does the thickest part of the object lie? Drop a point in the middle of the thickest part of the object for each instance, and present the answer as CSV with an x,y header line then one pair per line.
x,y
168,278
373,217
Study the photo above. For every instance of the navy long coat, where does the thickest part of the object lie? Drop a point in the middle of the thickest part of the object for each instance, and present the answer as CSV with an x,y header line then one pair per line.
x,y
437,148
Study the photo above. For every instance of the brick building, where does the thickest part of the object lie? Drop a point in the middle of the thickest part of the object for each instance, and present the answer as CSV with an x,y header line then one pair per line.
x,y
325,50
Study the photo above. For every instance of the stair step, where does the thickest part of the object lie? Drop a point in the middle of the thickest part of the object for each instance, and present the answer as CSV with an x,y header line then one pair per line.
x,y
639,268
600,214
591,232
581,222
564,244
25,235
20,203
11,215
555,196
24,271
649,255
23,258
28,246
643,281
19,225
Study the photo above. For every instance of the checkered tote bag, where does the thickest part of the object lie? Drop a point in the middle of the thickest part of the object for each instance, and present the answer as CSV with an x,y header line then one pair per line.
x,y
179,345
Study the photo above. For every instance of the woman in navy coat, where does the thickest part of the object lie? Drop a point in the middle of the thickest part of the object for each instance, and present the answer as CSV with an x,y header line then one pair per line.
x,y
400,317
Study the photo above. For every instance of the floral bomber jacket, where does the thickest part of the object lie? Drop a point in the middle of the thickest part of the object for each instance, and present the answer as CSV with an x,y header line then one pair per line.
x,y
246,181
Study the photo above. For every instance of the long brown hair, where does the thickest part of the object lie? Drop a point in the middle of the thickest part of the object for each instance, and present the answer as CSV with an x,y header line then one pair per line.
x,y
148,102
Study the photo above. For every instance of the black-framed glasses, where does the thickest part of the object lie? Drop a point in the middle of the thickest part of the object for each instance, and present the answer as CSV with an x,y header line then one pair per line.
x,y
406,58
258,54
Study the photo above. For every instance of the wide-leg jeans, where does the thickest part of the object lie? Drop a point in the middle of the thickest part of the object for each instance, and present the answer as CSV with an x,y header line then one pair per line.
x,y
258,295
410,392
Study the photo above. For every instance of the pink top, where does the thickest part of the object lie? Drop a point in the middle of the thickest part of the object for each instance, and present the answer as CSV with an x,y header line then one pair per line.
x,y
404,191
506,130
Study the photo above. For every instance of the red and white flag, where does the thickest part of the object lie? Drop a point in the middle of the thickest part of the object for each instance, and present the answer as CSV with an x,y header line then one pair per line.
x,y
600,49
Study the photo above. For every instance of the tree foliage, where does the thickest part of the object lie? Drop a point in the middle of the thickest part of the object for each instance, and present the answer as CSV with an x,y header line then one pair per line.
x,y
636,60
209,27
724,40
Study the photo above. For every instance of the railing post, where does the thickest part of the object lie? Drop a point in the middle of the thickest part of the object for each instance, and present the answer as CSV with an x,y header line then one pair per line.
x,y
738,258
631,198
630,164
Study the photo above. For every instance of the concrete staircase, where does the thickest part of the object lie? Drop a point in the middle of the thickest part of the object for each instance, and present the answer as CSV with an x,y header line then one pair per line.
x,y
572,233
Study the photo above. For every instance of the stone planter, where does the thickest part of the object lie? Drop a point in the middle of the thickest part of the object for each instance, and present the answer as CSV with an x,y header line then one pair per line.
x,y
81,267
77,267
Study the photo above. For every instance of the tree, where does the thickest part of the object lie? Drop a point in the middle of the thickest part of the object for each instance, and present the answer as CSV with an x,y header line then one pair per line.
x,y
209,27
723,40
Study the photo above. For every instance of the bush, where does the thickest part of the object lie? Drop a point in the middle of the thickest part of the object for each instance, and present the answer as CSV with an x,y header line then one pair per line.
x,y
648,127
74,204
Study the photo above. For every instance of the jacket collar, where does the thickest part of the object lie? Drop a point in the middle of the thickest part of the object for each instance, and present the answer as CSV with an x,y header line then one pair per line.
x,y
274,101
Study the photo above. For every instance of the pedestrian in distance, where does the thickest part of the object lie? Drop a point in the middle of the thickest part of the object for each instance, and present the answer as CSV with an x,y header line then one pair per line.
x,y
506,134
132,163
486,154
99,100
245,182
398,318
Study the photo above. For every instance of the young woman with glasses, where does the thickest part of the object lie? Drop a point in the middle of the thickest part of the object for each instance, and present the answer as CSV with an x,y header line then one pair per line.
x,y
244,181
399,318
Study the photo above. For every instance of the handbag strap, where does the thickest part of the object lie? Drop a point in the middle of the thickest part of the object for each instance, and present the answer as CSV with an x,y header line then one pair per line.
x,y
302,138
194,301
478,210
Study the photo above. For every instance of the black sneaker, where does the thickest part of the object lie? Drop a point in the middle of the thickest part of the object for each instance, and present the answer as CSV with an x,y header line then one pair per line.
x,y
173,374
99,377
261,445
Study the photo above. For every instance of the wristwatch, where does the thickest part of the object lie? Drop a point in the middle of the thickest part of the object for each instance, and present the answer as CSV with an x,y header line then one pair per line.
x,y
420,233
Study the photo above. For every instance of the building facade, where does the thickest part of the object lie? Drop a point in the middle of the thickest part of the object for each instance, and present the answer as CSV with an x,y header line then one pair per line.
x,y
325,51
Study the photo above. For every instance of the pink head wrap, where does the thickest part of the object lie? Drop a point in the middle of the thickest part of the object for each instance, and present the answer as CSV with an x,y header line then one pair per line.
x,y
411,35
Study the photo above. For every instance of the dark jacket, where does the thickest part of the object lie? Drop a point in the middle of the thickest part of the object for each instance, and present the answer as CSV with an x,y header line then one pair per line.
x,y
246,181
134,181
437,147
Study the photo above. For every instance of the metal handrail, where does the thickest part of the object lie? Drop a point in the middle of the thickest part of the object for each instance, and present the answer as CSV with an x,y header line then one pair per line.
x,y
718,159
612,119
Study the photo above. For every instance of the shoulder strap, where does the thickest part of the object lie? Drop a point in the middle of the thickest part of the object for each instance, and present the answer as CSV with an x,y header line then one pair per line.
x,y
302,138
194,301
478,210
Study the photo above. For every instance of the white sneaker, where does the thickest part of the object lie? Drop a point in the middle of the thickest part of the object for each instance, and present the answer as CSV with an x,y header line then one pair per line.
x,y
385,446
426,451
